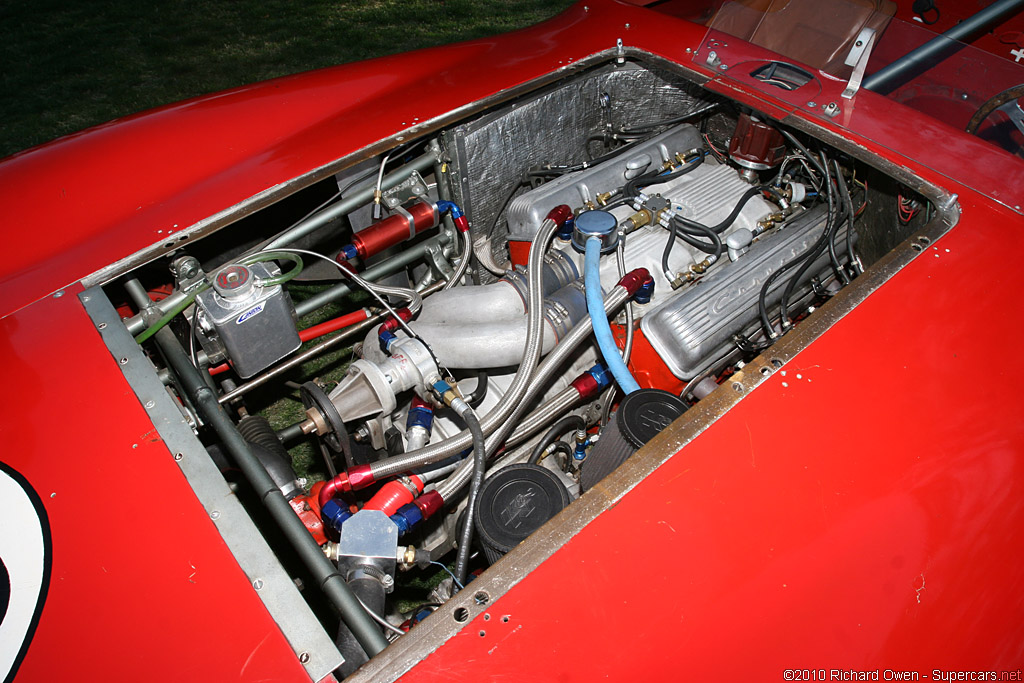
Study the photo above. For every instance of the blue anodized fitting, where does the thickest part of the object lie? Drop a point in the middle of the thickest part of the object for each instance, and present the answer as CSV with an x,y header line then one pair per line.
x,y
601,375
406,518
334,514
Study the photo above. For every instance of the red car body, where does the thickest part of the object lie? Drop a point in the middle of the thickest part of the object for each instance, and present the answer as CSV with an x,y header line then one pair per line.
x,y
859,508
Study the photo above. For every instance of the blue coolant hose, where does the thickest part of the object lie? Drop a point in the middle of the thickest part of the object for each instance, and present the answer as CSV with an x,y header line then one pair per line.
x,y
602,330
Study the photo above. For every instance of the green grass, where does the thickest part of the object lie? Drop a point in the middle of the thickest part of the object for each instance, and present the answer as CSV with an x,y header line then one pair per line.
x,y
68,66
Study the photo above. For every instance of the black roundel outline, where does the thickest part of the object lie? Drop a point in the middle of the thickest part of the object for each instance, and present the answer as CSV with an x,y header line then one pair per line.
x,y
44,587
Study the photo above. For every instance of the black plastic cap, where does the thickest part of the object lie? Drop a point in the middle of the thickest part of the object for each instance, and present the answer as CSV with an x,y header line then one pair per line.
x,y
646,412
515,502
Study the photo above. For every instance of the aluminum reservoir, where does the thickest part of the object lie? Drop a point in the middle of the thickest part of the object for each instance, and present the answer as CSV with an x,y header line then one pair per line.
x,y
254,323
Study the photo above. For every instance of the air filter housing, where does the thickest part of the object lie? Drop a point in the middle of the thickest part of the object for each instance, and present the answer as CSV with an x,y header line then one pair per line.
x,y
515,502
640,416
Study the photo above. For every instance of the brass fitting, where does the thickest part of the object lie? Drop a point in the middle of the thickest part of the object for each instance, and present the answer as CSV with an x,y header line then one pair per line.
x,y
638,220
603,198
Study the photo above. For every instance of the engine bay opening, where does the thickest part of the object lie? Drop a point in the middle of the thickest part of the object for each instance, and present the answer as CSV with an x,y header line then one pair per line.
x,y
405,370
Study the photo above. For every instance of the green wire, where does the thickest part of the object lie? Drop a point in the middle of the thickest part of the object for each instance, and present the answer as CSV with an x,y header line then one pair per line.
x,y
258,257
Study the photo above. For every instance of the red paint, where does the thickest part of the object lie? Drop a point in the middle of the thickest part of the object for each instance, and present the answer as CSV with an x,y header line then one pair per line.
x,y
862,511
519,252
880,527
153,583
309,512
647,367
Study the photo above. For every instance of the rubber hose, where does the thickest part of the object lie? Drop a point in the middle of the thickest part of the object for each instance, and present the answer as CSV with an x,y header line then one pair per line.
x,y
602,330
479,470
569,422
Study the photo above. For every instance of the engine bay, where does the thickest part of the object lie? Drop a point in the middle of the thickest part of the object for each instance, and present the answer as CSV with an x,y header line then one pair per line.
x,y
405,370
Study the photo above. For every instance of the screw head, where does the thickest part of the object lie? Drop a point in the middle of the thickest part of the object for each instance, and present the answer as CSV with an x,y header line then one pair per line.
x,y
123,361
57,295
102,326
304,657
214,514
150,404
257,584
812,105
178,456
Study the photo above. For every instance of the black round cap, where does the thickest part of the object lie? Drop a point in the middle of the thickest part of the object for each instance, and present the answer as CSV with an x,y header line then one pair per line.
x,y
646,412
515,502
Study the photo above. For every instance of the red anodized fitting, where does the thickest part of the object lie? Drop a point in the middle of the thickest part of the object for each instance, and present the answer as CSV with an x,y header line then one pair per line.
x,y
429,503
360,476
391,324
634,279
394,229
332,487
586,386
560,214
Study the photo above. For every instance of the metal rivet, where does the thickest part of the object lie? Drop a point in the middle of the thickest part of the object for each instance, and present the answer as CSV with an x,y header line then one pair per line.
x,y
257,584
85,299
102,326
812,104
178,456
123,361
627,25
304,657
214,514
150,404
57,295
53,495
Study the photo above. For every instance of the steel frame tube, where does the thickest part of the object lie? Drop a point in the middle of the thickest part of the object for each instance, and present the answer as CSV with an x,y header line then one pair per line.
x,y
326,575
885,78
352,202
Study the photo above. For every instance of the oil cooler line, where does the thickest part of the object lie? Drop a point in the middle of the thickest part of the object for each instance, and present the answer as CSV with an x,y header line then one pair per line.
x,y
323,571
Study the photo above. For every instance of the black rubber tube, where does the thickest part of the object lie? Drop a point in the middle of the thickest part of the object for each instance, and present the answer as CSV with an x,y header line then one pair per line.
x,y
568,422
324,573
479,470
371,592
476,397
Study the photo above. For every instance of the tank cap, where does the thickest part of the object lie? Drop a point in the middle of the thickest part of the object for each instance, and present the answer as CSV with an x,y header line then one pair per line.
x,y
233,282
595,223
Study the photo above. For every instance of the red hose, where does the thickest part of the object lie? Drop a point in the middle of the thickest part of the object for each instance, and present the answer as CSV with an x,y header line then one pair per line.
x,y
333,325
315,332
394,495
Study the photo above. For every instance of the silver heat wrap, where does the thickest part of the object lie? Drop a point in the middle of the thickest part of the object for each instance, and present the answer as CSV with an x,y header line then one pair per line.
x,y
693,328
491,154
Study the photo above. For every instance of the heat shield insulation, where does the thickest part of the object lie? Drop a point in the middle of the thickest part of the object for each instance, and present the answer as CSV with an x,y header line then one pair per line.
x,y
491,154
